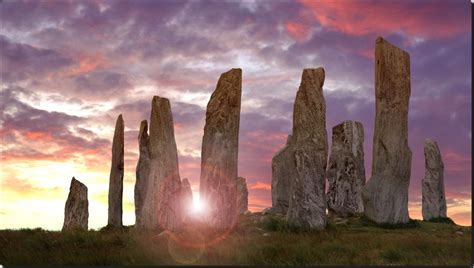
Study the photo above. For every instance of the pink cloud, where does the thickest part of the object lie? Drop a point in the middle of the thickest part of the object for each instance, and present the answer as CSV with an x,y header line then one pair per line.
x,y
381,18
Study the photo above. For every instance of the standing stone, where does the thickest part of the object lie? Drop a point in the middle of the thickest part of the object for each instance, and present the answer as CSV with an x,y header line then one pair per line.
x,y
433,200
218,181
116,175
186,197
283,172
76,211
386,193
142,171
346,171
307,208
242,195
162,202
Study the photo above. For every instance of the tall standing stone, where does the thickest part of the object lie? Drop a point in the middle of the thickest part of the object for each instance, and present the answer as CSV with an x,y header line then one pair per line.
x,y
283,172
433,197
186,198
346,171
386,193
116,175
76,210
307,208
162,202
142,171
242,195
218,181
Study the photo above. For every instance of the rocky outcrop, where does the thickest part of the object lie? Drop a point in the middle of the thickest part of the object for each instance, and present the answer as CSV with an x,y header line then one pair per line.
x,y
142,171
346,171
242,195
162,203
116,175
283,172
218,181
433,197
386,193
76,211
186,198
307,207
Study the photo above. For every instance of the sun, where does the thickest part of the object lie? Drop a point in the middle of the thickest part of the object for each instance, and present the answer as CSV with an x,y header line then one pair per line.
x,y
198,206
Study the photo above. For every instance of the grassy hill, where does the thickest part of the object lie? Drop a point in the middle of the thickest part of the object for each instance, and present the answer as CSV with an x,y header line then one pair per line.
x,y
256,239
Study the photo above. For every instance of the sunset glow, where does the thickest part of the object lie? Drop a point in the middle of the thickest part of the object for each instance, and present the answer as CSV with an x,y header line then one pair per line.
x,y
69,68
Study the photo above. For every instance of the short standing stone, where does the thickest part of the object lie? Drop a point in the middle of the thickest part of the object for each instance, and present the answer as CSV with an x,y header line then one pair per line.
x,y
434,199
142,171
242,195
186,197
76,211
307,208
346,171
283,172
116,175
386,193
219,154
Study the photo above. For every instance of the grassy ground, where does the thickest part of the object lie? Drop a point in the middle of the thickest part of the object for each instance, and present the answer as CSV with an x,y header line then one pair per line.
x,y
257,239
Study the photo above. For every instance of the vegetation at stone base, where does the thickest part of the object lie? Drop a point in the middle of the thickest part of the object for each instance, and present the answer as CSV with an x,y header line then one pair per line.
x,y
257,239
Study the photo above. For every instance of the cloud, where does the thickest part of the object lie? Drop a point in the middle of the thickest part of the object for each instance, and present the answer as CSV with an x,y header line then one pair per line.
x,y
23,61
382,18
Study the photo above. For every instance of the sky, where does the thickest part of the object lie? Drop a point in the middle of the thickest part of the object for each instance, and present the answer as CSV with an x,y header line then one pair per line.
x,y
69,68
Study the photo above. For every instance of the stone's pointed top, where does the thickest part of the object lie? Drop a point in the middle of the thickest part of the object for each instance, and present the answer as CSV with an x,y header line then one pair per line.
x,y
77,183
235,72
119,123
430,141
381,43
143,129
242,180
185,183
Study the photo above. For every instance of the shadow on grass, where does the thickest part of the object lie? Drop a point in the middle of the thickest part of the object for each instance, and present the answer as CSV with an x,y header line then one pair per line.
x,y
410,224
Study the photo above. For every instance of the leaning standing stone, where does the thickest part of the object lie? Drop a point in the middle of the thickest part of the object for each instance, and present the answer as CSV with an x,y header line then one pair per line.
x,y
142,171
434,199
76,211
386,193
283,172
219,154
116,175
307,208
242,195
162,202
346,171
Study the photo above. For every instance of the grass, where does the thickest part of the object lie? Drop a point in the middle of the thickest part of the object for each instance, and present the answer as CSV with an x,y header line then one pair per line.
x,y
256,240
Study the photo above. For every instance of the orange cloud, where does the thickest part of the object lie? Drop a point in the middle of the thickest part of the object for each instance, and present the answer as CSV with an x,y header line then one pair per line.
x,y
381,17
298,31
261,186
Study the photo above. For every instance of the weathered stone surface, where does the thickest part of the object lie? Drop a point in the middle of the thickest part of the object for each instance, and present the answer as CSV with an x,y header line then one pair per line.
x,y
142,171
186,198
386,193
116,175
218,181
283,172
433,197
307,206
346,171
76,210
242,195
162,203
